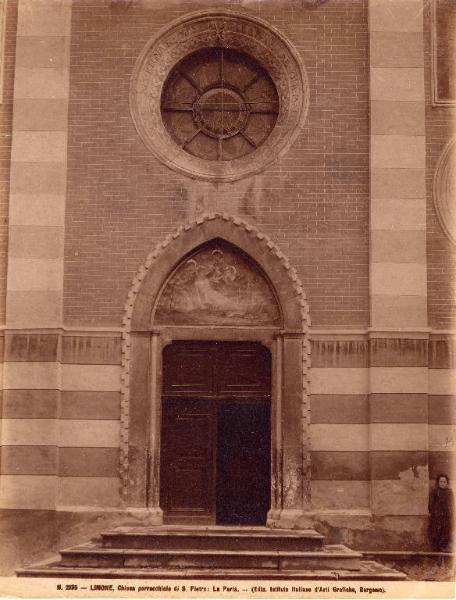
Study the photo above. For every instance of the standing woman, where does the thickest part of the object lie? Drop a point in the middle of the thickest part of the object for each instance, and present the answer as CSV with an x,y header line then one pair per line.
x,y
441,515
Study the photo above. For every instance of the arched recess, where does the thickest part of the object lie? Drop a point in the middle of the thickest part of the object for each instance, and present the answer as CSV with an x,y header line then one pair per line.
x,y
143,342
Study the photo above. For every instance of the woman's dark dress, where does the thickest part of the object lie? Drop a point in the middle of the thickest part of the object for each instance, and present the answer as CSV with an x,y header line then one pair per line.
x,y
441,518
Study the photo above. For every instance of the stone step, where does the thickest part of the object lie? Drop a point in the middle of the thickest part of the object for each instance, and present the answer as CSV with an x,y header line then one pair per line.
x,y
213,538
92,555
368,571
187,552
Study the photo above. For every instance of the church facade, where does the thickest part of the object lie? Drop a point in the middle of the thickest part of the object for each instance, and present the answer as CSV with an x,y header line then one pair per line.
x,y
228,266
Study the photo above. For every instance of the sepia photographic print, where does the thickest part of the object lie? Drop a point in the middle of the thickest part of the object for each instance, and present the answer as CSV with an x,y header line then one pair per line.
x,y
227,298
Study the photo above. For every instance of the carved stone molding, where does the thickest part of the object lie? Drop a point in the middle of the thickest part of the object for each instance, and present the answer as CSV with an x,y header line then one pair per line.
x,y
445,190
276,258
218,29
314,3
121,4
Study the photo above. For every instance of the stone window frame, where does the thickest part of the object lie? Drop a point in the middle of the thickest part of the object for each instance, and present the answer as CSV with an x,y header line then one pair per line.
x,y
436,100
442,191
245,33
3,11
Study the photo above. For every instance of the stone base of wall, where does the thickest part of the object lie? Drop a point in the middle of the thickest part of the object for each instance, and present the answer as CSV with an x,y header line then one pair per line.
x,y
418,566
368,532
30,536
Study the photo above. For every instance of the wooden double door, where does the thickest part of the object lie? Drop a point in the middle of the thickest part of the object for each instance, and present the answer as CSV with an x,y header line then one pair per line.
x,y
216,433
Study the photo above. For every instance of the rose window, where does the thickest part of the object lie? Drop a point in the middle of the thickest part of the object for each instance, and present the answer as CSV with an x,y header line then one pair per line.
x,y
219,104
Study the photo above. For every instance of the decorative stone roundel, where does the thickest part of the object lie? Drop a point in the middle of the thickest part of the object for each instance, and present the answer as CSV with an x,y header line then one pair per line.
x,y
218,95
445,190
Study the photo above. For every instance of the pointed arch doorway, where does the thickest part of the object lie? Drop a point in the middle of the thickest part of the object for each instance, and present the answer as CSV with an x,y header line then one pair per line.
x,y
215,451
220,285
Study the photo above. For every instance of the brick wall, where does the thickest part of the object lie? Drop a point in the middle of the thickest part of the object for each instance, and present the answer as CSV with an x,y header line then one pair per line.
x,y
313,202
440,251
6,113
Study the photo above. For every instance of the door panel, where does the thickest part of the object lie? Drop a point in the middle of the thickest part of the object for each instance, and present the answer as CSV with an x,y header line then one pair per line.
x,y
188,458
243,491
243,370
188,369
190,484
196,369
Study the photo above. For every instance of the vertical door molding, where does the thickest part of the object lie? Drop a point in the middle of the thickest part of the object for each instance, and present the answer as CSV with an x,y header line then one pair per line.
x,y
155,513
276,431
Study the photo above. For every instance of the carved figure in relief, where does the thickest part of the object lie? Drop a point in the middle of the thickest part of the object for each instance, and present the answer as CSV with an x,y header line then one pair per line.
x,y
220,287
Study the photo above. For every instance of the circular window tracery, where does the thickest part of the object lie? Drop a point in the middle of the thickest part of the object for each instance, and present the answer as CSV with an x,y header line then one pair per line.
x,y
219,104
214,125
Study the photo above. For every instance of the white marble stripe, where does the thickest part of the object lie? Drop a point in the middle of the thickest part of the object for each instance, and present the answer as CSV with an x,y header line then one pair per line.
x,y
31,375
442,382
35,274
396,15
39,146
398,215
44,17
399,436
336,437
398,151
442,438
399,279
94,433
379,437
28,491
29,432
37,210
102,378
340,495
52,375
88,434
398,380
88,491
339,381
401,84
41,83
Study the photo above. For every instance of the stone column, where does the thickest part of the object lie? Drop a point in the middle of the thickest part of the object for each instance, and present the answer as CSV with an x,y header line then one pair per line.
x,y
398,279
35,261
